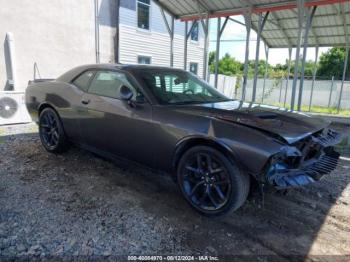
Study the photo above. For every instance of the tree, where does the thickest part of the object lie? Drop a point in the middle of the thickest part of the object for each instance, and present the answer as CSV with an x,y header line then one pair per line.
x,y
309,68
227,65
211,59
332,63
282,70
261,68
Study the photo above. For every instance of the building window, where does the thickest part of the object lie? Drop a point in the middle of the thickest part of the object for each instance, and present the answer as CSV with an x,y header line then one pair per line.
x,y
194,33
143,11
194,68
146,60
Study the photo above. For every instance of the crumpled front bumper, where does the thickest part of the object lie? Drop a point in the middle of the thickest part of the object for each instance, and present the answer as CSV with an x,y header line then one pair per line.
x,y
282,177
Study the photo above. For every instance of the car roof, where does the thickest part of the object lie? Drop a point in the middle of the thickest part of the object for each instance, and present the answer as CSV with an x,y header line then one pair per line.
x,y
127,66
73,73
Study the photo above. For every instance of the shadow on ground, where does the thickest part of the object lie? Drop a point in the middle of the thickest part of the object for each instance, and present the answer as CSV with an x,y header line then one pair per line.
x,y
80,204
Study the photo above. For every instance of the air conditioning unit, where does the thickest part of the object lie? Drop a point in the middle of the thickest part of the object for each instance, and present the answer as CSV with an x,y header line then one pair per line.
x,y
12,108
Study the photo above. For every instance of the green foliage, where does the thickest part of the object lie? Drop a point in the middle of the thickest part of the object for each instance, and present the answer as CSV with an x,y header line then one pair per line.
x,y
309,68
227,66
261,68
211,60
332,63
239,81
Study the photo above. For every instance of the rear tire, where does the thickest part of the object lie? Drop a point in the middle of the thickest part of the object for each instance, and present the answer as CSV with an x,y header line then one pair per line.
x,y
51,132
210,182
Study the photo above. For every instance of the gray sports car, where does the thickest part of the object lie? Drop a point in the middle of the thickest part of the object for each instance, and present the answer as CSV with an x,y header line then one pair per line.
x,y
170,120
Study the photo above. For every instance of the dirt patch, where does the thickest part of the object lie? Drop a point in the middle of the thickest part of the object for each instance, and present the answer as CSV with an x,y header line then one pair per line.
x,y
79,204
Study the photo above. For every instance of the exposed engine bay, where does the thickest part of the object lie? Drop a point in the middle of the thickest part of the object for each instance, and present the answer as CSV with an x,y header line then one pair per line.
x,y
305,161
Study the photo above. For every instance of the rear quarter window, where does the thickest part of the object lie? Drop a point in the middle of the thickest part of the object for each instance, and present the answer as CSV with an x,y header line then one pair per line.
x,y
83,80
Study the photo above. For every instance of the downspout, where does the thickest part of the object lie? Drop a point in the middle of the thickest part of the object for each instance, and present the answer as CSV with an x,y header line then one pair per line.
x,y
97,33
11,48
117,34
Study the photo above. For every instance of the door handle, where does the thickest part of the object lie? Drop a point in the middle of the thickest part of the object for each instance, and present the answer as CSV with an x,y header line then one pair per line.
x,y
85,101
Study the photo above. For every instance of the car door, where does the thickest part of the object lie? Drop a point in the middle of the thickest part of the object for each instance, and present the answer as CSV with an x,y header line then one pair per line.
x,y
112,125
73,93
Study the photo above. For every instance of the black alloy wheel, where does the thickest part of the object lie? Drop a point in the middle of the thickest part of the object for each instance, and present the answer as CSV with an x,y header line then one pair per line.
x,y
210,182
51,132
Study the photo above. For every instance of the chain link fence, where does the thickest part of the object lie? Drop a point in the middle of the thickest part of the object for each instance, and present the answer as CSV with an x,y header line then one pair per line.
x,y
325,95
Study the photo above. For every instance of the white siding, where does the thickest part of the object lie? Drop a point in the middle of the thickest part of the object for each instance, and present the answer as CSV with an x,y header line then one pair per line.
x,y
156,42
134,42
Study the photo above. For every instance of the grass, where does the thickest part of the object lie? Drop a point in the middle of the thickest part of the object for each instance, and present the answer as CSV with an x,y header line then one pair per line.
x,y
320,109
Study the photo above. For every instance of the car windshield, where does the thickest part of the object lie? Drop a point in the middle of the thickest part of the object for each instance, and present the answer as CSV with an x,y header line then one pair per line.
x,y
179,87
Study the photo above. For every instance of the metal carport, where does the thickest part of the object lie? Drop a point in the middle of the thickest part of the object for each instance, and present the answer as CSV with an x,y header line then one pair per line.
x,y
280,24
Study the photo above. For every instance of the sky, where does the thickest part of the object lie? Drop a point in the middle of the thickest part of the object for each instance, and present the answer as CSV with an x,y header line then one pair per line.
x,y
236,48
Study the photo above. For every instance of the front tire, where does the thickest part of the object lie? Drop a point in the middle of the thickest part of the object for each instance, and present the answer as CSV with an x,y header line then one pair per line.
x,y
210,182
51,132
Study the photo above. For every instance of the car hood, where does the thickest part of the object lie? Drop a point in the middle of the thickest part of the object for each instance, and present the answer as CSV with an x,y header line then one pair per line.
x,y
289,125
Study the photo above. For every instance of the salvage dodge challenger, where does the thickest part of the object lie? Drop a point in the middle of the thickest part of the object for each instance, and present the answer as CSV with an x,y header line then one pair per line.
x,y
170,120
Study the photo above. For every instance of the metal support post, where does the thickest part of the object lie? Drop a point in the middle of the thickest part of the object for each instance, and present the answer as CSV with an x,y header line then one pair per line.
x,y
309,16
301,14
170,29
248,24
266,71
185,46
313,77
280,96
261,24
290,49
217,55
330,93
220,30
345,60
186,36
172,41
344,74
205,25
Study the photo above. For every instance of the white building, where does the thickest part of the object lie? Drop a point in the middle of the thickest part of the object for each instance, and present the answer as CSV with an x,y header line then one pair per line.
x,y
144,37
60,34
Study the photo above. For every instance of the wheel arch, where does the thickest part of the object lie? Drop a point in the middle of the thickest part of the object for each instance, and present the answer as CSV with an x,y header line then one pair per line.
x,y
44,105
188,142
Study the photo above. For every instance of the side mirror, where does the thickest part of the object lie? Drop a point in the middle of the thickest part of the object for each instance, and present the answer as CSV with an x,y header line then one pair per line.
x,y
125,93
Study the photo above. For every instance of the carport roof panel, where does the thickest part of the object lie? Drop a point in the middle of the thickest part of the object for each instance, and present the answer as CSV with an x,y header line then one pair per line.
x,y
281,28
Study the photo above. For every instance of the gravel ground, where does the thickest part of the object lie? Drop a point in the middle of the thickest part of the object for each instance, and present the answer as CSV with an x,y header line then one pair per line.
x,y
80,204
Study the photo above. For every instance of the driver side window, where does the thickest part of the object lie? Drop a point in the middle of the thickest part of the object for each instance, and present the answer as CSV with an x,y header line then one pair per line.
x,y
108,83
